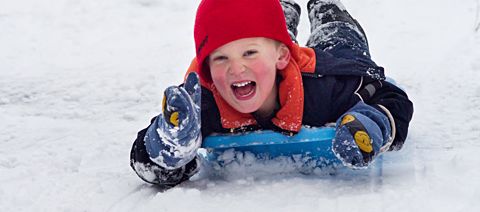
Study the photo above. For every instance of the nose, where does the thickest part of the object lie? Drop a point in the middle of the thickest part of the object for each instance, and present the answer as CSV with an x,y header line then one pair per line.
x,y
237,67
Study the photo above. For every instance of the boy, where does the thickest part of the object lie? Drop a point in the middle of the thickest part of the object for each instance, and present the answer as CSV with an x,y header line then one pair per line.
x,y
252,77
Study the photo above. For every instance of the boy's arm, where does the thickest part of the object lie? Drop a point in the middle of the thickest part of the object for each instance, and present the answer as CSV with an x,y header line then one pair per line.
x,y
393,102
377,123
151,172
165,152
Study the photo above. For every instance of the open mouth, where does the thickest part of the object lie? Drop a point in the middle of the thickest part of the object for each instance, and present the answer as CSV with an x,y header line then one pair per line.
x,y
244,90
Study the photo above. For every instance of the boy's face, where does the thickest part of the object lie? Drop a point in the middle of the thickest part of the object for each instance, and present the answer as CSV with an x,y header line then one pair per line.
x,y
244,71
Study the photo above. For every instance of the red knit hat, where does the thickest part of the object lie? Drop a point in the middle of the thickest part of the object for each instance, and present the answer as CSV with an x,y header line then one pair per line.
x,y
219,22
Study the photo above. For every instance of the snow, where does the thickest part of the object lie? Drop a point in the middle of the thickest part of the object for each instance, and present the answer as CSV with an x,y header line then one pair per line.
x,y
78,79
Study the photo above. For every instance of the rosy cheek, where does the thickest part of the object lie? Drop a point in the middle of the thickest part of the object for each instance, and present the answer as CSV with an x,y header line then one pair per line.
x,y
218,77
262,69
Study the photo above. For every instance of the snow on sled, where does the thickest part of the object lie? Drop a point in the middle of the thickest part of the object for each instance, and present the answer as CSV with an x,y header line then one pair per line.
x,y
310,144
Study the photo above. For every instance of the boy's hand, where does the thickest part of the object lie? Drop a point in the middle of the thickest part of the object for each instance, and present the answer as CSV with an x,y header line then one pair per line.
x,y
359,137
180,103
174,137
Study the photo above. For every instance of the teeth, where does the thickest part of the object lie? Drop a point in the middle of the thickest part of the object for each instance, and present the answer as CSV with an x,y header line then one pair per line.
x,y
241,84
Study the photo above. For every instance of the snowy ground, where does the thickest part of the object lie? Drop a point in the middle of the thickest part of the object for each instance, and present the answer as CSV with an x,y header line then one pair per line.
x,y
78,79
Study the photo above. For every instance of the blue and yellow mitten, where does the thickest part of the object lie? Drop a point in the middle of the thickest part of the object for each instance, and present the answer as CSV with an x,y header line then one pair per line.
x,y
361,135
174,137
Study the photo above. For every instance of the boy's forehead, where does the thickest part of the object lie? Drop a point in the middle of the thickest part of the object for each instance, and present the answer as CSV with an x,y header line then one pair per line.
x,y
245,42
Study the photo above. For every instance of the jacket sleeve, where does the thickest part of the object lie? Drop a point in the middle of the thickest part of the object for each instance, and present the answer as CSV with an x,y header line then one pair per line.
x,y
150,172
391,101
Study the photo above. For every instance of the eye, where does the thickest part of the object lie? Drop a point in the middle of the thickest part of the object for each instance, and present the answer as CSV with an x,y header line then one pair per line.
x,y
250,53
219,58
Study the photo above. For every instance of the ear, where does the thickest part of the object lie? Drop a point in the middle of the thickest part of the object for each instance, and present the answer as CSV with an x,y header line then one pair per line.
x,y
283,57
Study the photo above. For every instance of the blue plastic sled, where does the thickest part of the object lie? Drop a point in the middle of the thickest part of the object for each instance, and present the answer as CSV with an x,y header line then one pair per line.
x,y
312,143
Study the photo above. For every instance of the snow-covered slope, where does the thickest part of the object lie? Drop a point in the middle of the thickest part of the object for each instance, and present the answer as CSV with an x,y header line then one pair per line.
x,y
78,79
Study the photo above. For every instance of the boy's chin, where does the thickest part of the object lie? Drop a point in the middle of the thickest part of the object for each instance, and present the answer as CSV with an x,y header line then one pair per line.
x,y
245,108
